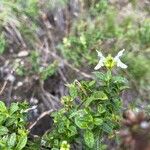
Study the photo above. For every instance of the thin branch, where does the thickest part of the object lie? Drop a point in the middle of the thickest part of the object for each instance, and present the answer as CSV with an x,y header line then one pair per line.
x,y
18,34
40,117
8,100
62,75
3,87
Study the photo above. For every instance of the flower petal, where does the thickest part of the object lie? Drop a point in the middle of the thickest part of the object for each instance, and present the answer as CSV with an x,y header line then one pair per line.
x,y
100,64
121,64
120,53
100,55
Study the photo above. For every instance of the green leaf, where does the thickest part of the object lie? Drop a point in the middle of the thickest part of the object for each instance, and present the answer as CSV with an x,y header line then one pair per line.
x,y
48,71
10,121
99,75
89,138
84,120
3,140
88,101
100,95
101,109
55,149
123,88
98,121
108,75
81,123
119,79
2,107
97,95
3,130
56,142
22,142
74,113
2,118
73,131
73,91
12,140
106,128
13,108
92,83
2,44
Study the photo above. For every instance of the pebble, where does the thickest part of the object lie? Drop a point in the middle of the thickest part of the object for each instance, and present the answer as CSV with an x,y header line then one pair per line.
x,y
10,78
23,53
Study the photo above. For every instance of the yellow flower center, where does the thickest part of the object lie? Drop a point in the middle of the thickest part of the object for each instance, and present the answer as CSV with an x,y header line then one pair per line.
x,y
109,62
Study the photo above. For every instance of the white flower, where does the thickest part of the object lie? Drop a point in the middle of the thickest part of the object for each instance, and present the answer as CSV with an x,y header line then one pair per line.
x,y
109,61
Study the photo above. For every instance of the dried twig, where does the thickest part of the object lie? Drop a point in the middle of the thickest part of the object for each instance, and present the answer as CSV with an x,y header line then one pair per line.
x,y
18,34
8,100
40,117
3,87
48,99
62,75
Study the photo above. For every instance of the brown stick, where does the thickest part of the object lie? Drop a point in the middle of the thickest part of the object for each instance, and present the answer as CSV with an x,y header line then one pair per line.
x,y
3,87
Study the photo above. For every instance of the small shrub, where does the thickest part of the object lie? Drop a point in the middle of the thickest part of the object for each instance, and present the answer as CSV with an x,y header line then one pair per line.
x,y
91,110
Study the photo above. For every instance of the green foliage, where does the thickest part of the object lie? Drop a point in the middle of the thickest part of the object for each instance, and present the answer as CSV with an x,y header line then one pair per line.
x,y
99,7
35,67
13,122
144,33
30,7
80,46
138,66
92,108
89,138
2,44
35,61
54,3
49,70
64,130
96,113
102,28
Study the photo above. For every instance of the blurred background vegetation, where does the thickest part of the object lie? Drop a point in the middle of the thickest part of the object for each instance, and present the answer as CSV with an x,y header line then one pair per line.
x,y
46,44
